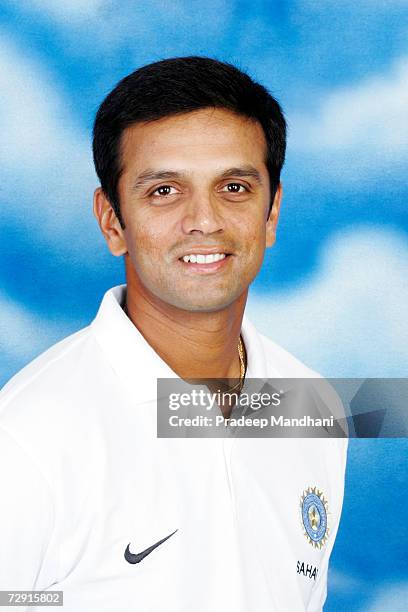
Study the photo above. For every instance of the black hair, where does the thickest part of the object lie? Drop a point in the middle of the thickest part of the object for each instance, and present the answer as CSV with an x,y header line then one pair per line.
x,y
181,85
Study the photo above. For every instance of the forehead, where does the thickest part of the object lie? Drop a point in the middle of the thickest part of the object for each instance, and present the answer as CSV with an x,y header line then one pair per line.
x,y
203,137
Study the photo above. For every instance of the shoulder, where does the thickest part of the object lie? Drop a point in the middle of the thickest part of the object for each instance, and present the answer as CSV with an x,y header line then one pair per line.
x,y
58,400
45,370
48,394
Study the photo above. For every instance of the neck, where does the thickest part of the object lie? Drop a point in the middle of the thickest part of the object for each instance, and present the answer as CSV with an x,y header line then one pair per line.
x,y
176,335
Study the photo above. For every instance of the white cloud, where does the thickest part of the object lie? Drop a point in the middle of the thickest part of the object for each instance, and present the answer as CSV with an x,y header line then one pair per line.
x,y
25,334
349,319
345,584
45,158
393,597
371,115
21,332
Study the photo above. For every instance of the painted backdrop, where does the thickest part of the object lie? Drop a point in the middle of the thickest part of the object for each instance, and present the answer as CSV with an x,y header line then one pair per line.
x,y
334,288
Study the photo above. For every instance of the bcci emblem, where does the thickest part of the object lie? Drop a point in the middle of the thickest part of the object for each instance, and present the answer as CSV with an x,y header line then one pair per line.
x,y
314,516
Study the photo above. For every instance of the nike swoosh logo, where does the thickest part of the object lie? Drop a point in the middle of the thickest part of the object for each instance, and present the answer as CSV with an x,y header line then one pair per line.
x,y
138,557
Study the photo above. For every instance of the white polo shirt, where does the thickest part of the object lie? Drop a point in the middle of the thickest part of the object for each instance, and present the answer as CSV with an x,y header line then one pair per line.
x,y
83,477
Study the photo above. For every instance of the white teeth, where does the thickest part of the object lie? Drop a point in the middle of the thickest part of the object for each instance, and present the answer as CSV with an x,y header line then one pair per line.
x,y
203,259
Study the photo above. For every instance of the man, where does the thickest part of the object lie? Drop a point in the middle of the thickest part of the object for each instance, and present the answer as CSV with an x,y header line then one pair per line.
x,y
189,153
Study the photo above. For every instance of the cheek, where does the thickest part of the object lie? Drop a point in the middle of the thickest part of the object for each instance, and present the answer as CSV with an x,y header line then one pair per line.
x,y
254,249
255,236
146,232
145,247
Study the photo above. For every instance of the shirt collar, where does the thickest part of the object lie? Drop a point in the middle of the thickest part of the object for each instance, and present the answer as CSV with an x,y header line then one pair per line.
x,y
136,362
130,355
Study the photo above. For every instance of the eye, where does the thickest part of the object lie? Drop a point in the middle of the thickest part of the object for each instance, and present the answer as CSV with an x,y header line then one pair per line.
x,y
164,190
234,188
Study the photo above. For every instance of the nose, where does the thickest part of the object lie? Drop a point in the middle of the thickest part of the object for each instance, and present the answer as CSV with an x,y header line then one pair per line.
x,y
202,215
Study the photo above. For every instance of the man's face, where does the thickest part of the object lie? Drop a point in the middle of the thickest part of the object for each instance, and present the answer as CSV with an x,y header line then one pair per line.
x,y
194,197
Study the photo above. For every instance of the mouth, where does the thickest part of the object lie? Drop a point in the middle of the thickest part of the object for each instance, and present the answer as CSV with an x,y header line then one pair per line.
x,y
205,261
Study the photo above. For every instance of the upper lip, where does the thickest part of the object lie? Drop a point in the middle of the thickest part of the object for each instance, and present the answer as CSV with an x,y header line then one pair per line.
x,y
204,251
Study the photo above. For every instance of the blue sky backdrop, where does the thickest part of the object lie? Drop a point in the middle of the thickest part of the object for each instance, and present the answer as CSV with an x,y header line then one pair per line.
x,y
333,290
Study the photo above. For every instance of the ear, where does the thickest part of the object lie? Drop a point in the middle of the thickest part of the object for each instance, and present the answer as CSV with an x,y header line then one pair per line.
x,y
109,223
272,221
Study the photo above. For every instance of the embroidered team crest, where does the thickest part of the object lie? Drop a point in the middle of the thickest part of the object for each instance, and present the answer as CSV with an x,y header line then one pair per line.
x,y
314,510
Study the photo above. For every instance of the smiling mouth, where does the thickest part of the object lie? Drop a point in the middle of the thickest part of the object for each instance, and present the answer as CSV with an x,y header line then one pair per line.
x,y
205,263
200,258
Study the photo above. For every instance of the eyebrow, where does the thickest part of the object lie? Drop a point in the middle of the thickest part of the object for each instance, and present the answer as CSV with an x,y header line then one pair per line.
x,y
148,176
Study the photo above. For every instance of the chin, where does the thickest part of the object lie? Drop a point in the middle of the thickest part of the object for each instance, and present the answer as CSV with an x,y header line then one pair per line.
x,y
199,298
210,305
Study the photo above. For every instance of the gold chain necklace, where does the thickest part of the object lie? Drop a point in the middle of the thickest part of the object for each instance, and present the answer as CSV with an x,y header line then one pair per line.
x,y
242,367
242,359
